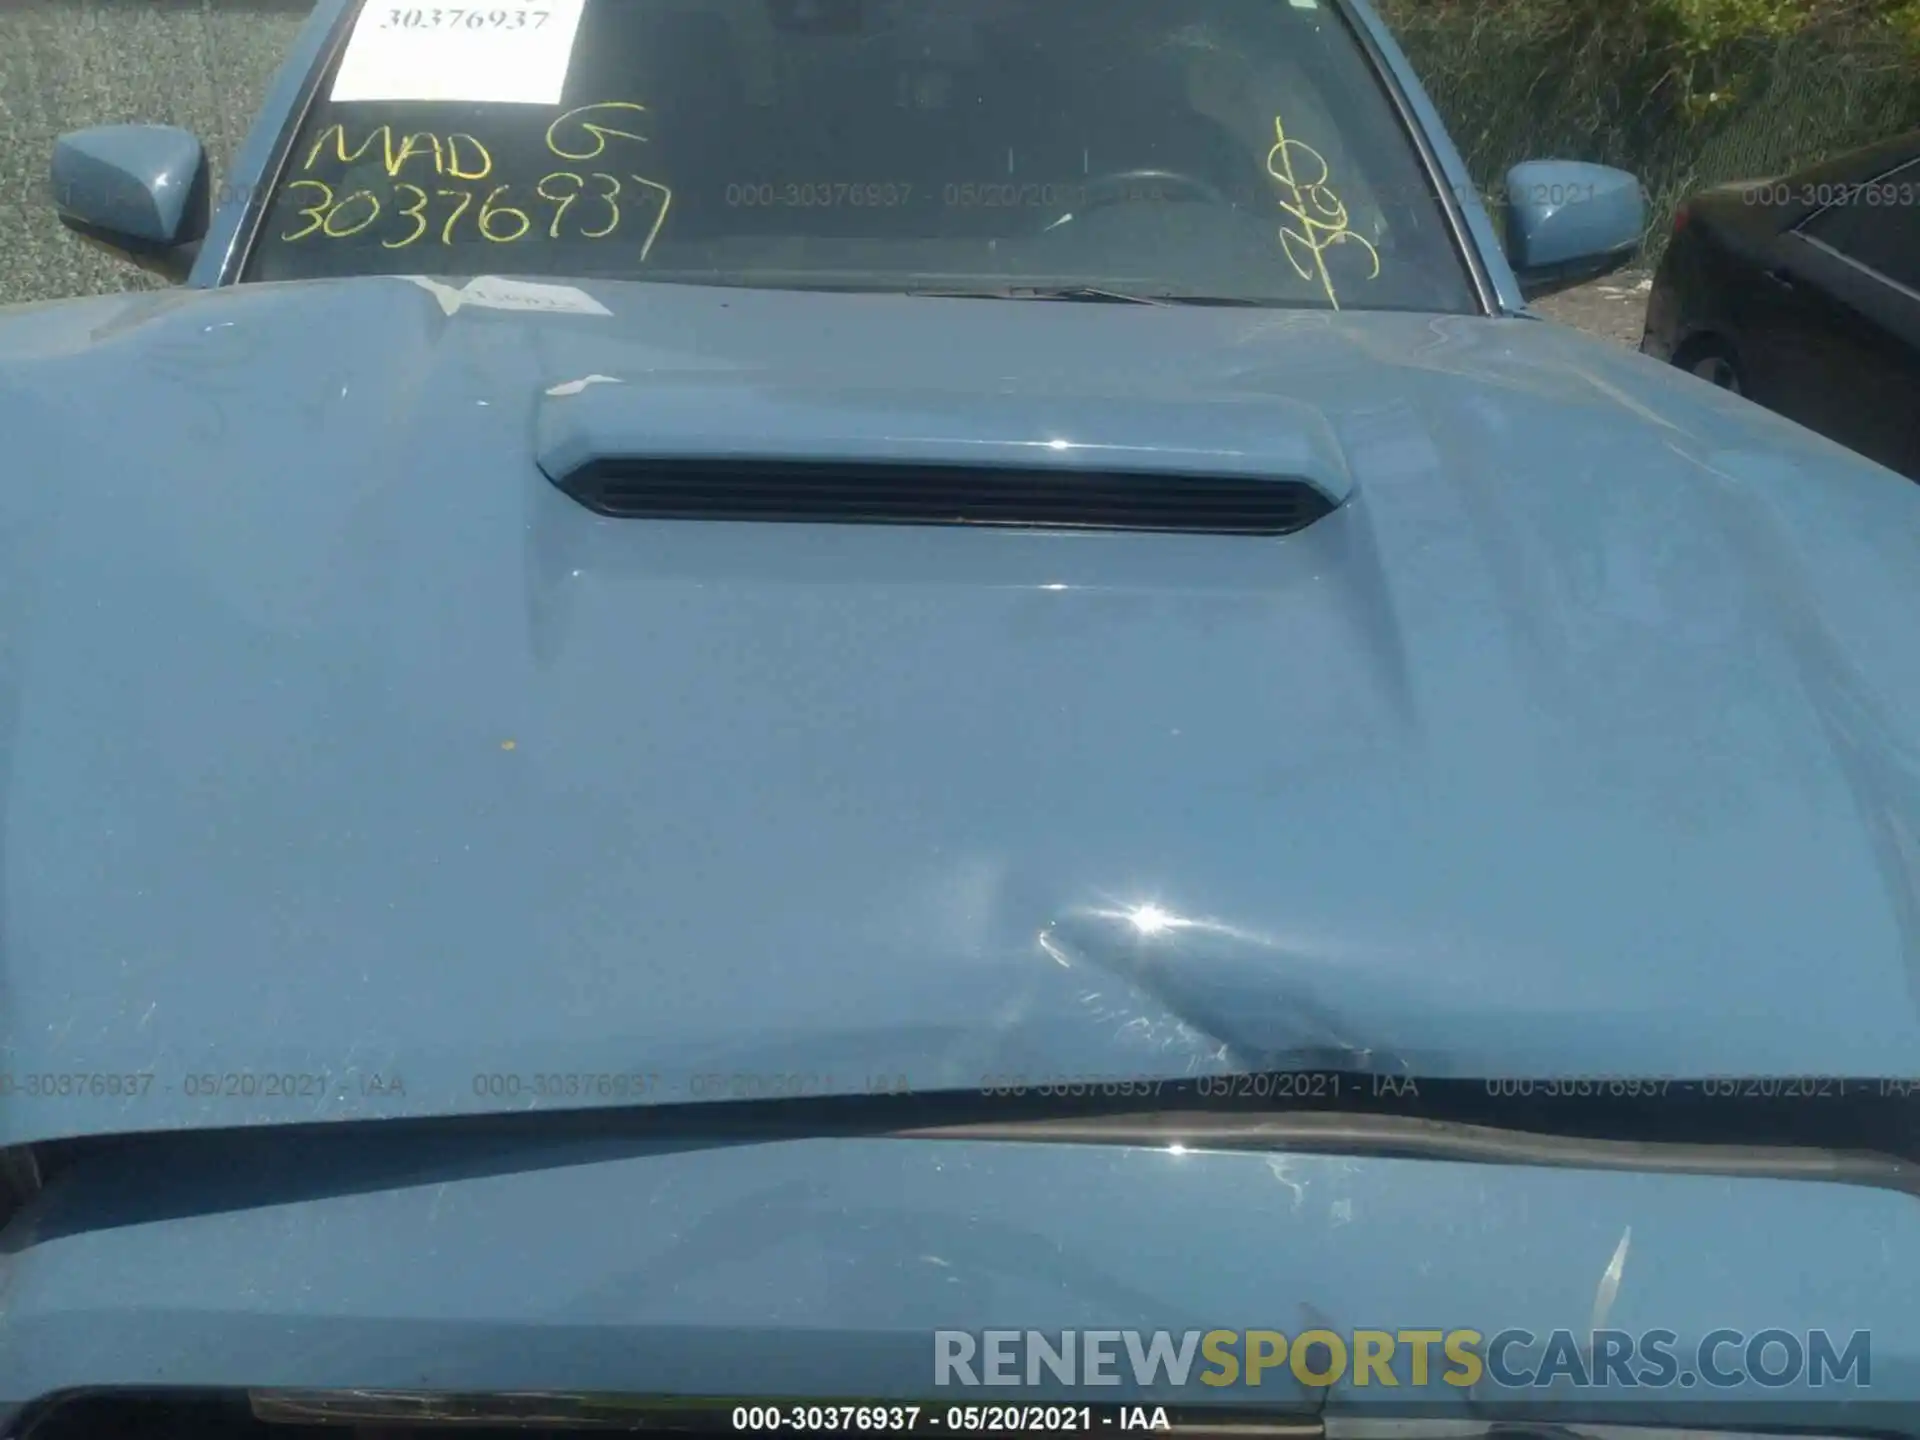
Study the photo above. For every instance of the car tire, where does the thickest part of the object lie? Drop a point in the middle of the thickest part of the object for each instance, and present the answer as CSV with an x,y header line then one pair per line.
x,y
1713,362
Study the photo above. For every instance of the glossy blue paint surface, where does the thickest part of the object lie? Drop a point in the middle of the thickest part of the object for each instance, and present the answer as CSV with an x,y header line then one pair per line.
x,y
349,770
824,1267
798,419
130,180
1565,215
339,742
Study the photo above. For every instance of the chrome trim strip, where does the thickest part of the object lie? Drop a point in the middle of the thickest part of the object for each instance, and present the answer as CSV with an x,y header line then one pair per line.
x,y
1854,264
1478,275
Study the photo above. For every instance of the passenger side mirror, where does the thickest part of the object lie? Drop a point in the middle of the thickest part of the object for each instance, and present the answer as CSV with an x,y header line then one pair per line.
x,y
142,192
1570,222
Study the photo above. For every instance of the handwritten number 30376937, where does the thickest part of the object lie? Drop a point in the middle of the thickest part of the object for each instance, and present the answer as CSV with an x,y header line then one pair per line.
x,y
587,204
489,215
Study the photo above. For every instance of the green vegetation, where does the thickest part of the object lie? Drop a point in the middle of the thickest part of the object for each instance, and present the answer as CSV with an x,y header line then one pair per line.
x,y
1685,93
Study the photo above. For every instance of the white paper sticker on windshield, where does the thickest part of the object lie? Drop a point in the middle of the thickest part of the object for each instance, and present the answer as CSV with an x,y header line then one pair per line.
x,y
507,52
500,292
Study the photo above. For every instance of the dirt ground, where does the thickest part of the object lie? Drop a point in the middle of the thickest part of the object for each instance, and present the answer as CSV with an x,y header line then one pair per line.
x,y
1615,307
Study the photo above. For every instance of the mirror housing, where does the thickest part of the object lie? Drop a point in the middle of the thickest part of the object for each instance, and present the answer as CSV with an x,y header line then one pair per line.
x,y
141,192
1569,222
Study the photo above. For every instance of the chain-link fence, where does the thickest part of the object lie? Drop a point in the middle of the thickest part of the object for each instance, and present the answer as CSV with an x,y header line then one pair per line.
x,y
1506,95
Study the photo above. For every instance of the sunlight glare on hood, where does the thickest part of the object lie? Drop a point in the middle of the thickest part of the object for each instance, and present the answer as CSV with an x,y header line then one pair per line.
x,y
1152,920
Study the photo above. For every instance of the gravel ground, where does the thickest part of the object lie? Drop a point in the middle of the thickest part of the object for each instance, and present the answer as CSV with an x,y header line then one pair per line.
x,y
1615,308
64,64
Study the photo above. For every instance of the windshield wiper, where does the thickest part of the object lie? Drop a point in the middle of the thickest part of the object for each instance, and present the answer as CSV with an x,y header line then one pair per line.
x,y
1086,294
1353,1131
1352,1113
1089,294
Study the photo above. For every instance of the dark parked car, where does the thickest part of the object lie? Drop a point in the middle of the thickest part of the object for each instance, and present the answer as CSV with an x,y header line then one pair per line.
x,y
1803,293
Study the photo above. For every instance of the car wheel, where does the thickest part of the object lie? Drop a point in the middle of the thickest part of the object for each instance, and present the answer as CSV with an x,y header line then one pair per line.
x,y
1713,365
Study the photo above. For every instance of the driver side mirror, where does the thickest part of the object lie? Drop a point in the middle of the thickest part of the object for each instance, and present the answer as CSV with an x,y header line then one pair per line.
x,y
142,192
1569,222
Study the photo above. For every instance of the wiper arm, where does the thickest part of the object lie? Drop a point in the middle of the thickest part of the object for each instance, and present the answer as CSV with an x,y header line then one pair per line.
x,y
1353,1132
1868,1145
1234,302
1089,294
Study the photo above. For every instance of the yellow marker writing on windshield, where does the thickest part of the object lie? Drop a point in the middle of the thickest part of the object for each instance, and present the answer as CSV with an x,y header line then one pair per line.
x,y
598,129
446,156
465,197
1321,217
562,201
612,197
492,209
582,133
666,201
335,228
494,215
417,212
315,215
484,156
407,152
596,125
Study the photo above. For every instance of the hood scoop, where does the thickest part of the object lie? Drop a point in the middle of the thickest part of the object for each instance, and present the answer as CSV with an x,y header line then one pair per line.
x,y
681,449
837,493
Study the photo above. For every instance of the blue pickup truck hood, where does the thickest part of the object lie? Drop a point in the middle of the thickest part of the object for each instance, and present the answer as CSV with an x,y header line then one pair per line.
x,y
350,769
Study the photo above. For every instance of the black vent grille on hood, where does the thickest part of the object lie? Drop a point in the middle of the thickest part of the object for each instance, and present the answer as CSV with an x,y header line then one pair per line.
x,y
858,493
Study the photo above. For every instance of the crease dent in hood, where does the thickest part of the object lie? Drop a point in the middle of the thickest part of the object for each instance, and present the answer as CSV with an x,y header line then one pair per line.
x,y
341,747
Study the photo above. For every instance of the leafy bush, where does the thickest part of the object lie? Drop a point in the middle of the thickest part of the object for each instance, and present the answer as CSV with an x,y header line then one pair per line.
x,y
1684,93
1692,54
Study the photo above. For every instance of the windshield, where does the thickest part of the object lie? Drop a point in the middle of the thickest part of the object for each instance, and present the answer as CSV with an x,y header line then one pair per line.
x,y
1233,150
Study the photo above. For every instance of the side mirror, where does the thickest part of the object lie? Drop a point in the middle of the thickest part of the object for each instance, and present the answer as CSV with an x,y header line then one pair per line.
x,y
1569,222
142,192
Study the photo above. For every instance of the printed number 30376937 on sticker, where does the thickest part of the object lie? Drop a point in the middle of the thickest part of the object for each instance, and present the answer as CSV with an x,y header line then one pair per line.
x,y
509,52
521,18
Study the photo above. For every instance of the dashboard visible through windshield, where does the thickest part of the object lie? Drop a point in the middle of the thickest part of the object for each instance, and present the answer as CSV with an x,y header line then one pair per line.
x,y
1232,150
